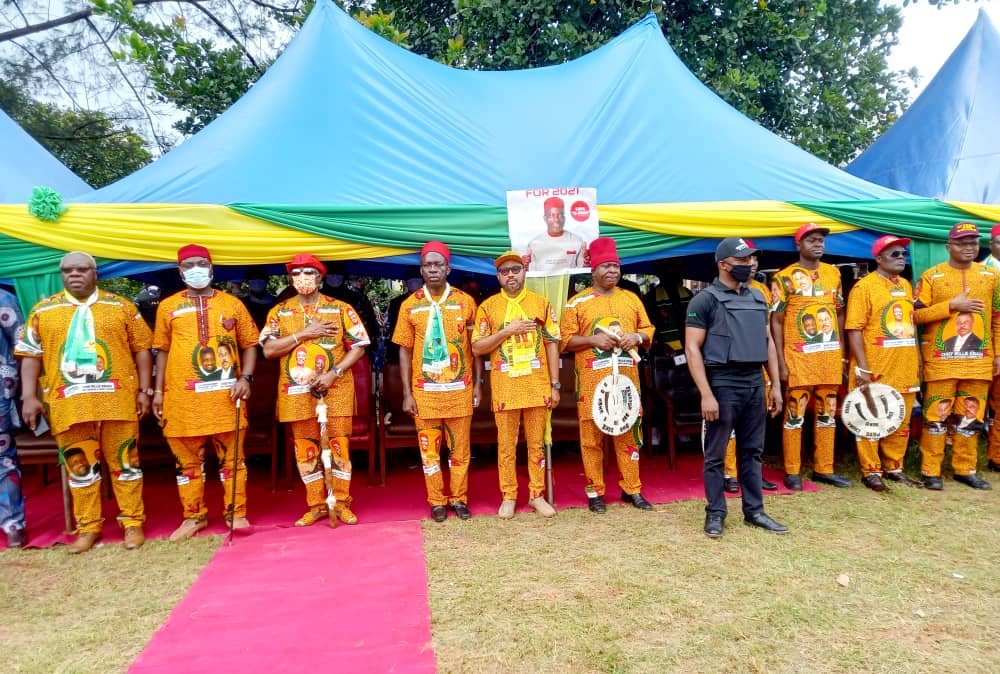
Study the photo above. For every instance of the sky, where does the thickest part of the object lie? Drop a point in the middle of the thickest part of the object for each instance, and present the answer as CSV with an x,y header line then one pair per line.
x,y
929,35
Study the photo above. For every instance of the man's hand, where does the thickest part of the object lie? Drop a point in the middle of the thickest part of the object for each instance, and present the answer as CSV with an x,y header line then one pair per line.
x,y
158,405
520,326
783,372
552,401
709,408
477,394
965,303
861,378
996,366
240,391
318,330
409,404
142,404
604,341
775,402
630,341
31,410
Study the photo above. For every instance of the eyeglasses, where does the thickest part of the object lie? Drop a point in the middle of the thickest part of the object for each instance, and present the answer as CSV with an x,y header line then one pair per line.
x,y
507,271
896,254
308,271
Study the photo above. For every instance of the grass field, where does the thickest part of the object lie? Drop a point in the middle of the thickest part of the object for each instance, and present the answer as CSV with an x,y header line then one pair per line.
x,y
628,591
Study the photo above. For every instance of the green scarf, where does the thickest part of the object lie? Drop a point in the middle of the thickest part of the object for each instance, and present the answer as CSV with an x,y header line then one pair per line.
x,y
80,351
435,354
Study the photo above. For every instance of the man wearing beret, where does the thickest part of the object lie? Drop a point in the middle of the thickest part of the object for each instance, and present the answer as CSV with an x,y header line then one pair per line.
x,y
440,378
318,339
517,329
64,340
556,250
196,408
958,303
625,327
809,291
880,332
728,342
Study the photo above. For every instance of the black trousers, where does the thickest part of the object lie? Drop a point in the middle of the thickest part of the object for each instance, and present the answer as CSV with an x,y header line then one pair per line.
x,y
743,410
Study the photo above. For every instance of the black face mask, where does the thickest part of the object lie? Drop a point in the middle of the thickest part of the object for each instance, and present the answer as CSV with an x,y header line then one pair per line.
x,y
741,272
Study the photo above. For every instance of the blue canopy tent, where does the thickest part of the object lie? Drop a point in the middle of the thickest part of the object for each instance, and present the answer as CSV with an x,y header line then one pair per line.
x,y
25,164
352,140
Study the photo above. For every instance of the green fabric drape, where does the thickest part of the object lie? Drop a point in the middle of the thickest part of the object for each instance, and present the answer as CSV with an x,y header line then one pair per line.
x,y
467,229
32,289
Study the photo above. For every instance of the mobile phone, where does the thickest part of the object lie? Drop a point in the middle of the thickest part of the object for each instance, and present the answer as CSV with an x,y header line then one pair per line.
x,y
42,426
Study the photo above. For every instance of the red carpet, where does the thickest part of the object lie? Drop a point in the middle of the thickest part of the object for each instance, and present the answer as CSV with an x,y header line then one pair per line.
x,y
402,499
304,600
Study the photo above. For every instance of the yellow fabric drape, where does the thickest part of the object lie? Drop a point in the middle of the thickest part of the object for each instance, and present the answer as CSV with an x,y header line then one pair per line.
x,y
984,211
154,232
718,219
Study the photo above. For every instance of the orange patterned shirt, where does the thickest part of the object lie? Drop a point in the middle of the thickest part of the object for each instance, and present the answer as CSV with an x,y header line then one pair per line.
x,y
947,353
203,338
810,300
882,309
448,394
534,388
315,356
581,316
108,395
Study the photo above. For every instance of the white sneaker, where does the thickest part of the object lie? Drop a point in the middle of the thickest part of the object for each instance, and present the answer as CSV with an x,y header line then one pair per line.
x,y
542,507
506,511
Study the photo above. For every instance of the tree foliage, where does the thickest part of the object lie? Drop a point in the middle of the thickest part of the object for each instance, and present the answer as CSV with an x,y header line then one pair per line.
x,y
95,147
813,71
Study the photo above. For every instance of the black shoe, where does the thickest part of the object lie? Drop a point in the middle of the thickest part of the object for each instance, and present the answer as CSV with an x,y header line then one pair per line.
x,y
17,538
713,526
793,482
933,483
874,482
973,481
596,504
993,466
439,513
461,510
903,478
762,521
637,500
730,485
832,478
767,485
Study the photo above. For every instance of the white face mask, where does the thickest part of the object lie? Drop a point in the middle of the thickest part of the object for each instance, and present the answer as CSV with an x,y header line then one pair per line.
x,y
197,277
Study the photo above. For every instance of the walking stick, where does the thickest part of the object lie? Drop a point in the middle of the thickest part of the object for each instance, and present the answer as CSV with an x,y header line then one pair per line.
x,y
236,467
327,456
549,487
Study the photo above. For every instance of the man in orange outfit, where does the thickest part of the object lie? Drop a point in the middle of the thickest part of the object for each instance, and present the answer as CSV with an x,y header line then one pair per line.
x,y
621,312
441,379
812,366
94,412
196,408
882,352
958,303
730,481
516,328
332,337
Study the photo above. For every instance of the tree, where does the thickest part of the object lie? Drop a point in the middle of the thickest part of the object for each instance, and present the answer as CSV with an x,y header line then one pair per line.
x,y
95,147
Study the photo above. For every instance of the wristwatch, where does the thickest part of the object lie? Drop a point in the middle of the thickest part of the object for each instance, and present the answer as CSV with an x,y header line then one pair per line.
x,y
147,391
247,378
339,372
556,385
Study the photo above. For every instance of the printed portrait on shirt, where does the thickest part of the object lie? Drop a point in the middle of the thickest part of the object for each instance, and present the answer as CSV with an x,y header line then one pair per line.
x,y
897,320
962,335
216,361
817,326
102,373
826,410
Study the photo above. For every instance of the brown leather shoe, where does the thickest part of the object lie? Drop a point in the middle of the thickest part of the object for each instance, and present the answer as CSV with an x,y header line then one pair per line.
x,y
84,541
345,515
134,537
187,529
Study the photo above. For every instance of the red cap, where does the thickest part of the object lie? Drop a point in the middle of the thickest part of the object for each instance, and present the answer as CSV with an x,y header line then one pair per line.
x,y
306,260
995,231
963,230
603,250
436,247
554,202
884,242
193,250
809,228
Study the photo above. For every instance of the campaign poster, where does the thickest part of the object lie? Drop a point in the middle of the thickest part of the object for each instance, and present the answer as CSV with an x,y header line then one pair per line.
x,y
552,226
